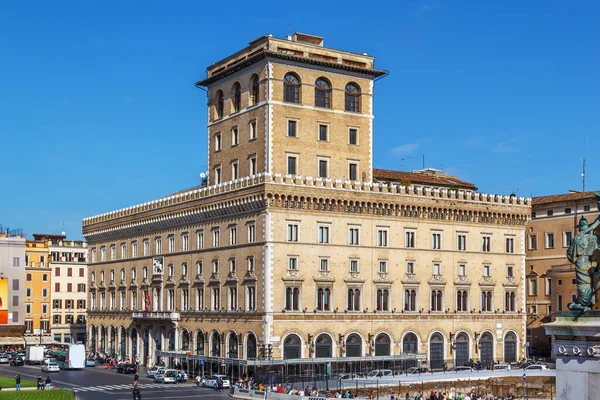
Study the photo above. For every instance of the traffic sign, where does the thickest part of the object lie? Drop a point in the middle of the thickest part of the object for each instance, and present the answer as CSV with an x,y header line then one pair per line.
x,y
524,377
201,362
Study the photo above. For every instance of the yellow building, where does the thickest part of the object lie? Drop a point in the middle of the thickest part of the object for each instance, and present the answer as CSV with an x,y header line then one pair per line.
x,y
37,290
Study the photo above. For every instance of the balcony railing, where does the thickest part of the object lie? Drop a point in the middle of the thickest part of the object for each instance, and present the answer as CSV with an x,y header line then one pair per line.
x,y
156,315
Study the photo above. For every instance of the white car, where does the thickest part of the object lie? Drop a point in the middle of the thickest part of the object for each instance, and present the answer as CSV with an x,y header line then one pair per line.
x,y
539,367
502,367
50,367
4,360
462,369
168,376
152,372
212,381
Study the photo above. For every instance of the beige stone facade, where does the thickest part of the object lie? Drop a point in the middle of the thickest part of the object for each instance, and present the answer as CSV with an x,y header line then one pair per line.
x,y
277,265
551,282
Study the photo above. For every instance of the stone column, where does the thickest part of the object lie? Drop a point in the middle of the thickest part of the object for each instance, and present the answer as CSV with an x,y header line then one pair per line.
x,y
119,343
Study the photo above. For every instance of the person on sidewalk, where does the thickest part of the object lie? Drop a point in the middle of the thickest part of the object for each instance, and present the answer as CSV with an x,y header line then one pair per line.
x,y
40,383
18,382
48,382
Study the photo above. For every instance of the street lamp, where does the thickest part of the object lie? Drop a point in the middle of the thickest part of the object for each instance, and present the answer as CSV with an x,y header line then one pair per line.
x,y
529,337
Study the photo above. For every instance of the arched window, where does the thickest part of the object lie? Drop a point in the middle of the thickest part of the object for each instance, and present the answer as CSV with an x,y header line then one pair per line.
x,y
409,343
352,98
219,104
233,345
255,90
322,93
462,300
237,97
354,346
216,345
185,341
353,299
291,347
410,300
323,299
251,347
382,345
323,346
383,299
200,343
291,88
291,299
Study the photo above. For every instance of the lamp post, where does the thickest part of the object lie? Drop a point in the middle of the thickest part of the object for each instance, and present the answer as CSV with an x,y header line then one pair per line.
x,y
529,337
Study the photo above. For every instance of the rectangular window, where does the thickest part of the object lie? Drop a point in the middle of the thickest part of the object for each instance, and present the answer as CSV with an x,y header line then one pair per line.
x,y
462,269
234,170
462,242
383,267
533,291
251,233
486,244
16,262
559,300
185,242
292,125
171,242
232,235
113,252
382,237
323,133
69,271
218,142
251,298
567,238
548,287
323,234
549,240
253,168
550,213
437,269
200,239
28,292
215,264
410,267
293,263
250,263
93,255
44,278
217,175
292,232
102,253
216,299
352,136
57,287
568,210
436,241
353,265
409,239
486,270
252,128
134,252
216,238
510,271
353,171
291,165
232,265
510,245
324,264
532,242
57,271
27,308
586,209
44,308
354,236
323,168
123,251
158,245
146,248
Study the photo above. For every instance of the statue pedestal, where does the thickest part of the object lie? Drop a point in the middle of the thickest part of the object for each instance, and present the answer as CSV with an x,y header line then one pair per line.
x,y
577,350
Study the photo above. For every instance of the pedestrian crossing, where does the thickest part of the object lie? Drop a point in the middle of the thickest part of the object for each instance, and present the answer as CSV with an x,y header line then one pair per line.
x,y
127,386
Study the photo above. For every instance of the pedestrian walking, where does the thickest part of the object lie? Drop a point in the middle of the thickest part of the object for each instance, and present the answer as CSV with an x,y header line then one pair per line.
x,y
136,378
18,382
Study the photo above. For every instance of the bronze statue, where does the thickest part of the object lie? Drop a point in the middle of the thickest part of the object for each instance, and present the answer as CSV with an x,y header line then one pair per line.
x,y
580,253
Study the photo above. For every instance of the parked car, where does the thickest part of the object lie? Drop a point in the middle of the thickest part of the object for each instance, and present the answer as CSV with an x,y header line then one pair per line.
x,y
17,361
90,362
50,367
168,376
538,367
505,367
417,370
152,372
212,381
380,373
4,359
462,369
126,369
351,376
158,374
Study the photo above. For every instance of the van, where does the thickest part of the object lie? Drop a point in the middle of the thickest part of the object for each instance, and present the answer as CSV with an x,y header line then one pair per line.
x,y
380,373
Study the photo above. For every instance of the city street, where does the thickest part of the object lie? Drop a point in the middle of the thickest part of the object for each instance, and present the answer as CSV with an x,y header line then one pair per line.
x,y
97,383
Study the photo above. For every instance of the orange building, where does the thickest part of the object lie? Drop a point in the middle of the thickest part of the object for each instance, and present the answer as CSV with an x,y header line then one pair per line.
x,y
37,291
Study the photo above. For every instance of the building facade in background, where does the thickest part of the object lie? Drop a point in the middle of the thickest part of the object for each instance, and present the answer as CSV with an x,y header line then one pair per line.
x,y
38,292
299,248
551,282
68,262
12,287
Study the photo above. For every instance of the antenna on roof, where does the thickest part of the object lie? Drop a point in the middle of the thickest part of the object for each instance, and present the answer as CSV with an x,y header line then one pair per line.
x,y
423,161
583,176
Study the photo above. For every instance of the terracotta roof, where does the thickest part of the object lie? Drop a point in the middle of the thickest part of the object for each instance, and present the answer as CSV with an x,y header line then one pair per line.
x,y
422,178
562,198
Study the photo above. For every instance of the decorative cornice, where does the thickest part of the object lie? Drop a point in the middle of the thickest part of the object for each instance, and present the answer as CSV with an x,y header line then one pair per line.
x,y
437,280
411,279
293,276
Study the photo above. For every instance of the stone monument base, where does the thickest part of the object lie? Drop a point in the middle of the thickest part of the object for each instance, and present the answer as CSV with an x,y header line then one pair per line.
x,y
577,350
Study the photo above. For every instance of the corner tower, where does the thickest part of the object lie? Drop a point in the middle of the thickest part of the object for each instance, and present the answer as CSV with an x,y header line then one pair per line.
x,y
291,107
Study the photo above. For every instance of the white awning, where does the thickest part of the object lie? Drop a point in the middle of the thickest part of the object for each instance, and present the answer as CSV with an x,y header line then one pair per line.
x,y
11,341
35,340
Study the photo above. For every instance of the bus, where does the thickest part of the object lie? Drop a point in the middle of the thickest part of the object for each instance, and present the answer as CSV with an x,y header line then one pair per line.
x,y
71,357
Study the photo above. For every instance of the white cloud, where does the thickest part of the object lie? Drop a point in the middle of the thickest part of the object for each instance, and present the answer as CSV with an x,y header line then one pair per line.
x,y
504,148
428,6
405,149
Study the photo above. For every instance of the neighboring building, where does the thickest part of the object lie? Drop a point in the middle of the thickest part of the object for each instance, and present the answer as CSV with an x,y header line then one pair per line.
x,y
551,282
38,292
293,251
68,262
12,287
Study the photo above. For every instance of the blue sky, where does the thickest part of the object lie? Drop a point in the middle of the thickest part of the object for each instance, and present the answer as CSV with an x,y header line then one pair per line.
x,y
98,108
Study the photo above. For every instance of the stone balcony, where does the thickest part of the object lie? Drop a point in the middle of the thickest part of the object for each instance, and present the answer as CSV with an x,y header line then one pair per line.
x,y
156,315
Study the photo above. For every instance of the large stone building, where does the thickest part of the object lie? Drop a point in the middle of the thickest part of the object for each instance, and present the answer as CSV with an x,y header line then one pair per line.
x,y
551,282
68,263
38,291
298,248
12,287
